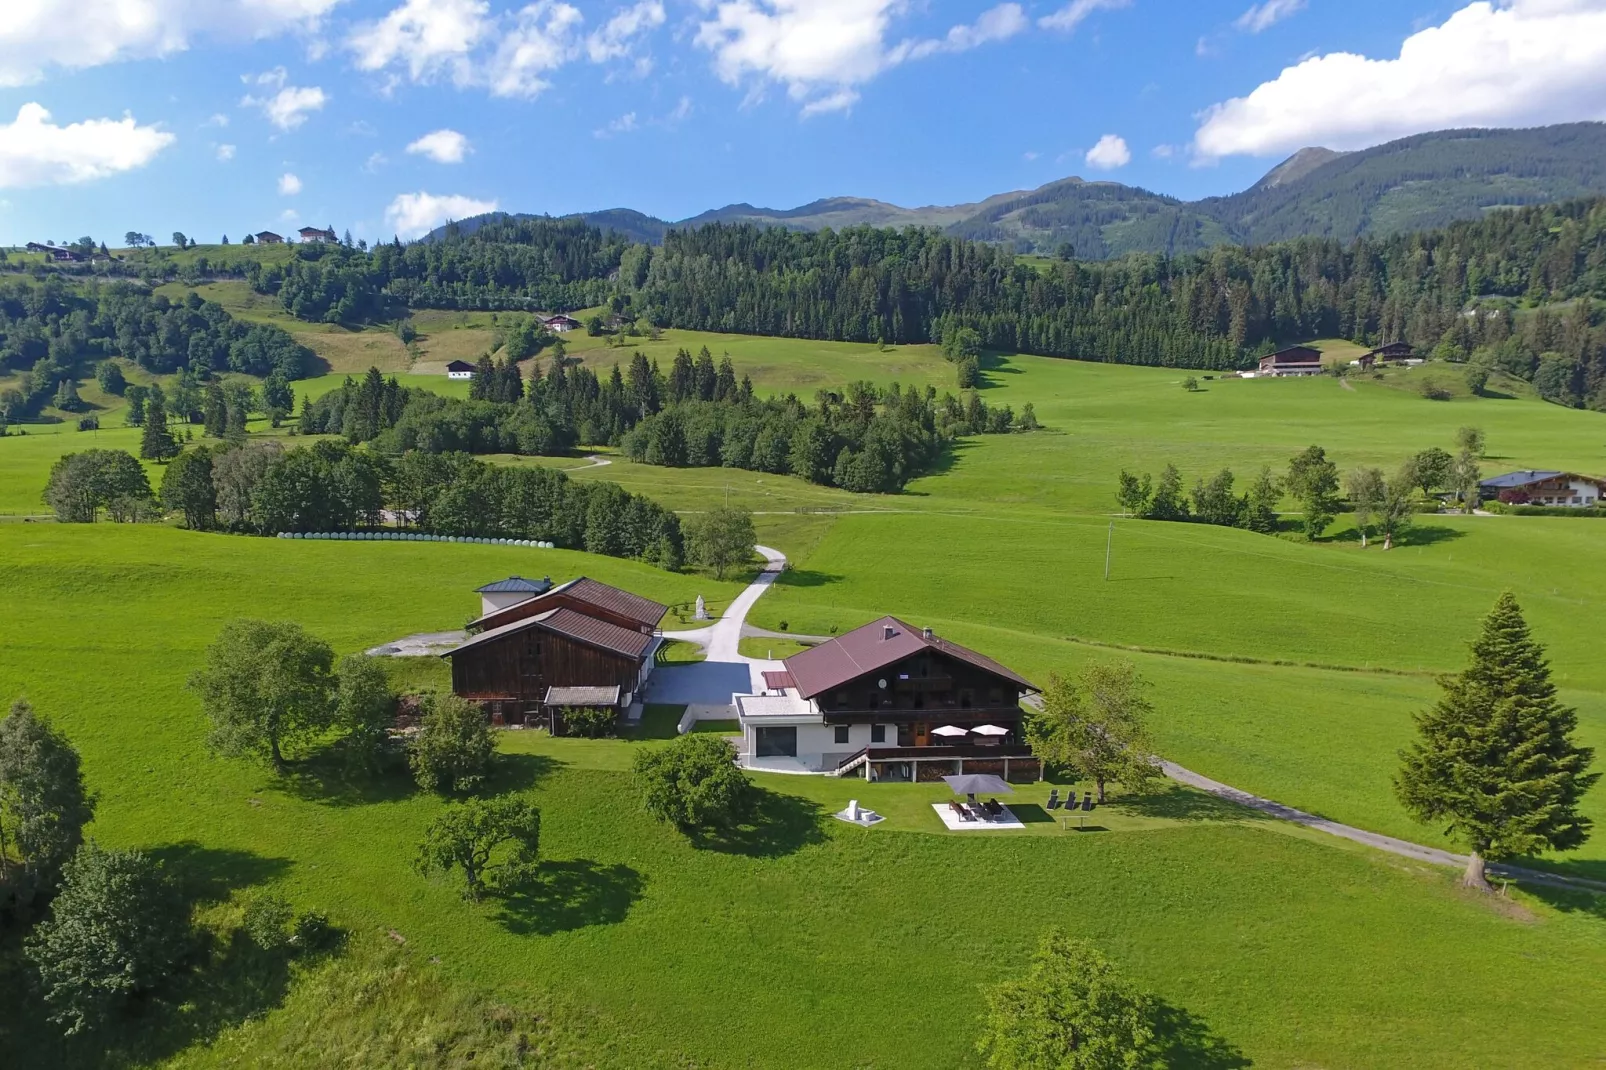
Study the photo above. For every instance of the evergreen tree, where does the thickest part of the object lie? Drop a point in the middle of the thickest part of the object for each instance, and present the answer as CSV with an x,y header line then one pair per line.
x,y
1496,763
43,804
216,417
157,443
1260,506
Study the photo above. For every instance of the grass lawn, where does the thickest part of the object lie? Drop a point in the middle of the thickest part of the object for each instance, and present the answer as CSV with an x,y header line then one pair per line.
x,y
754,646
645,950
679,652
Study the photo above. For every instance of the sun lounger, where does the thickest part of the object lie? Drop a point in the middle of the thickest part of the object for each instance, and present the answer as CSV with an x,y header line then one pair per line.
x,y
1087,801
1054,799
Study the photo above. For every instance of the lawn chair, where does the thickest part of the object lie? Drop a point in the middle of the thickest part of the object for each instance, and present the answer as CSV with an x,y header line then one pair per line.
x,y
1087,801
1054,799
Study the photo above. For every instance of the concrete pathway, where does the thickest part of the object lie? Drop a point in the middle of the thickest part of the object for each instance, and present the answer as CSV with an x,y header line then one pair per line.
x,y
725,671
422,645
1403,848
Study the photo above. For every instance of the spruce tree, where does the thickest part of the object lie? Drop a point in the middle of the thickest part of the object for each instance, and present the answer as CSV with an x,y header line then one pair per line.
x,y
157,444
1496,759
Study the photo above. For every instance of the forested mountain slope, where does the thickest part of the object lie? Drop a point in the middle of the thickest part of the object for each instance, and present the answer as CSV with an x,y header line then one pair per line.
x,y
1414,183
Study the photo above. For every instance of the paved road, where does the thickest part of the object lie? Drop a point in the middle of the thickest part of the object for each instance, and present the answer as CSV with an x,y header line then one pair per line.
x,y
725,671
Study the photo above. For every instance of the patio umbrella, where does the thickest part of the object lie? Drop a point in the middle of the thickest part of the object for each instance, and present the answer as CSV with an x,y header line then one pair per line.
x,y
990,730
950,730
978,783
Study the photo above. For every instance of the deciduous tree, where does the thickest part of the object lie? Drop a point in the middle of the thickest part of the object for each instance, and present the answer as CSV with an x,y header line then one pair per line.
x,y
1097,725
1495,763
453,749
1074,1010
720,538
694,783
1133,494
365,709
1313,479
266,686
493,843
189,489
114,931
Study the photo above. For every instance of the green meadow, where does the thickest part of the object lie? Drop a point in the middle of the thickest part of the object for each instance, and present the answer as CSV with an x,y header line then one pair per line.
x,y
650,951
1286,668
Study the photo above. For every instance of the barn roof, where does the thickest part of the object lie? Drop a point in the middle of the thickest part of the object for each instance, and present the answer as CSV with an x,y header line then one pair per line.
x,y
1295,355
568,623
516,585
582,696
459,366
875,646
1519,479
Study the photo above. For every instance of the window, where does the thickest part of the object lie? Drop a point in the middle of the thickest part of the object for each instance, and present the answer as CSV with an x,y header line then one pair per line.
x,y
841,733
878,733
995,696
874,700
841,698
966,699
775,742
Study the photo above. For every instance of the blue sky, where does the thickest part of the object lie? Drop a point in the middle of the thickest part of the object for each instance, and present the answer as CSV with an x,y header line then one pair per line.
x,y
228,116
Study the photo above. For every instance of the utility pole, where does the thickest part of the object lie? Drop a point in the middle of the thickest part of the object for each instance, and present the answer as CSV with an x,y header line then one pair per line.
x,y
1109,541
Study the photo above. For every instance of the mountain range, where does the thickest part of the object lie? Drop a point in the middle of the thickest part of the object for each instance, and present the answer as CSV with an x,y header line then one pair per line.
x,y
1413,183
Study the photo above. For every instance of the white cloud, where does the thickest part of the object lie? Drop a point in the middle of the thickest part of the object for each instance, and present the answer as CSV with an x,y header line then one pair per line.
x,y
995,24
511,54
823,50
39,35
1527,62
375,162
442,146
625,124
289,185
1073,14
1109,153
1268,14
617,36
286,106
219,119
36,152
412,215
1163,152
225,153
425,36
542,39
1029,155
681,112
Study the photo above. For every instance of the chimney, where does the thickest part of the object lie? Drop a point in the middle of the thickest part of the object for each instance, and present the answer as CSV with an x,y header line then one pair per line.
x,y
887,631
929,634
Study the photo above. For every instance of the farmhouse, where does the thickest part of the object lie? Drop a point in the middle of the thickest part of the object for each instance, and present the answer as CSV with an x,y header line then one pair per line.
x,y
459,369
267,237
314,234
1545,488
1295,360
560,323
56,252
579,644
888,702
1390,353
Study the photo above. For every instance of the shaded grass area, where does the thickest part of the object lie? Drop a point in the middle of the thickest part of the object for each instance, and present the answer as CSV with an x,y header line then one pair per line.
x,y
679,652
754,646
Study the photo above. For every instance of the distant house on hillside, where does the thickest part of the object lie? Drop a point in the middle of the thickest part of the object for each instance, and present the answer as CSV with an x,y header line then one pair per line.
x,y
888,701
1392,353
1295,360
1545,488
459,369
58,253
561,324
267,237
581,644
314,234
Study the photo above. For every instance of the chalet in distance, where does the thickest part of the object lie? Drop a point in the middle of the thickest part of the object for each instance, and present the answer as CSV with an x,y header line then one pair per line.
x,y
317,235
560,324
1295,360
580,643
889,702
1390,353
459,369
58,253
267,237
1545,488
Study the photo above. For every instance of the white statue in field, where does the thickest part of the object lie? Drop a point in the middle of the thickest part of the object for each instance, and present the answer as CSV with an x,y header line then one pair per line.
x,y
702,609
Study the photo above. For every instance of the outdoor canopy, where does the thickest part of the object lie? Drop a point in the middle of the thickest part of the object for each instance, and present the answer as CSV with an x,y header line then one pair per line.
x,y
978,784
950,730
990,730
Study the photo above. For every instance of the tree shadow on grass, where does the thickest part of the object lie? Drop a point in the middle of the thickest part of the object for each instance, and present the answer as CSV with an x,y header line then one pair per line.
x,y
571,895
803,577
1183,804
1187,1043
327,778
1429,535
519,772
1566,899
211,874
779,825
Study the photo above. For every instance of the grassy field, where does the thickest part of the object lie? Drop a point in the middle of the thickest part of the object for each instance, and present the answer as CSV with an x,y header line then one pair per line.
x,y
1285,668
641,949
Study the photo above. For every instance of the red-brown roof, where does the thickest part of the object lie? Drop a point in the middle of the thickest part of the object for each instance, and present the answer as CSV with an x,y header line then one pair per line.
x,y
592,592
576,626
874,646
778,681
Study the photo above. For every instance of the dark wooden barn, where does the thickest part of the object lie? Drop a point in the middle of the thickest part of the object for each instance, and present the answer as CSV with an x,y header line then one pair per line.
x,y
583,595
